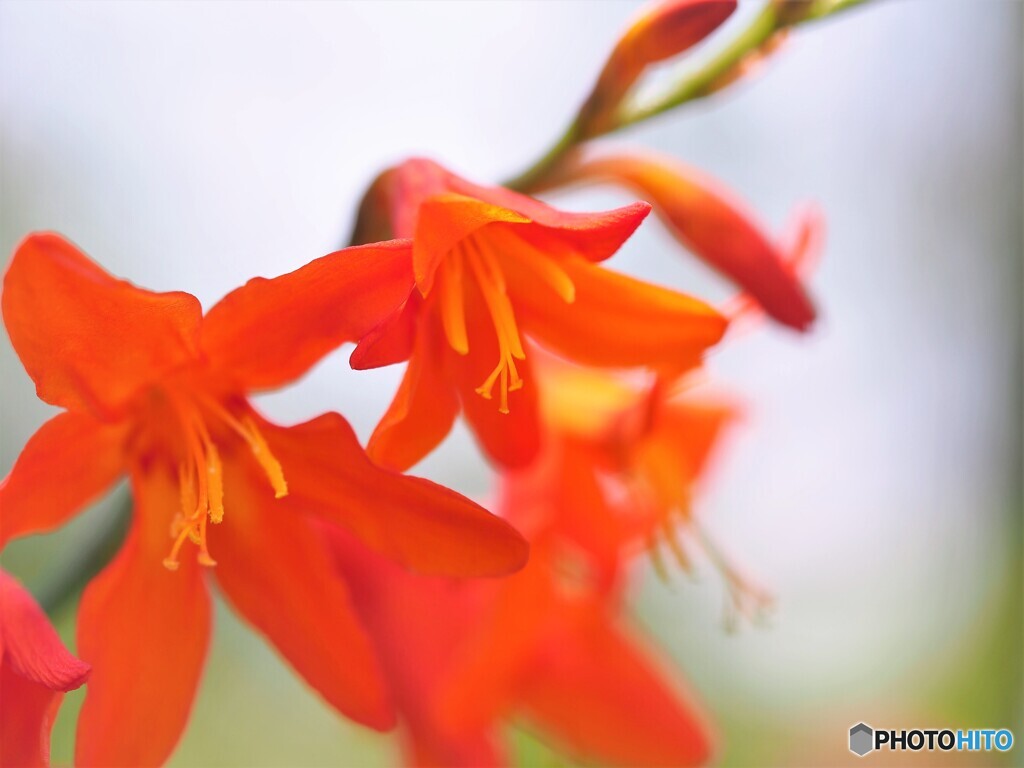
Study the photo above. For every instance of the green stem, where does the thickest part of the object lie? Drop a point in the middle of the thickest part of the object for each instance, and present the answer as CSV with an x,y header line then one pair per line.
x,y
772,19
533,177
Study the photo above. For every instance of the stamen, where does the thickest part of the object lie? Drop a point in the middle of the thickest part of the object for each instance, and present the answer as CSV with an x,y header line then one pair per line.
x,y
510,348
267,460
201,475
545,269
248,431
453,309
215,481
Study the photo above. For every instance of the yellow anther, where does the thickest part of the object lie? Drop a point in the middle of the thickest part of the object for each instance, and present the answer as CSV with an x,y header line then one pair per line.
x,y
215,484
261,451
453,308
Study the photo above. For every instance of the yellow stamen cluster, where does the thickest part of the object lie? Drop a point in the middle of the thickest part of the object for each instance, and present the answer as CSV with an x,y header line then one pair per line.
x,y
475,255
200,476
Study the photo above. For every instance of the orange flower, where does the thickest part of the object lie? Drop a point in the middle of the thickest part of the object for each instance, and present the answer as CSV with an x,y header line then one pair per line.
x,y
462,658
619,473
714,225
491,268
155,390
35,671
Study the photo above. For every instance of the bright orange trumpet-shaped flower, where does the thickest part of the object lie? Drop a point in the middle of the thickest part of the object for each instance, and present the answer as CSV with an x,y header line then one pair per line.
x,y
544,645
709,220
491,268
35,671
156,391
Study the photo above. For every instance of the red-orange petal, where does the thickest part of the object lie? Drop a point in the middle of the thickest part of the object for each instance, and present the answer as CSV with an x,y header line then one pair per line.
x,y
390,342
593,235
417,624
601,695
30,645
488,669
70,461
269,332
712,223
145,631
446,219
422,525
87,339
35,670
509,439
423,410
27,712
276,572
616,321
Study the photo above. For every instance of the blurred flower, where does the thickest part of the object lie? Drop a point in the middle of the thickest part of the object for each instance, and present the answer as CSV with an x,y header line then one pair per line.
x,y
661,30
545,645
491,267
621,466
35,671
154,390
709,221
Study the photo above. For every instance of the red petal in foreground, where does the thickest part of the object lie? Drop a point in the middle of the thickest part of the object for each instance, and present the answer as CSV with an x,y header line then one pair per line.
x,y
424,526
270,332
599,693
88,340
277,574
145,631
35,670
70,461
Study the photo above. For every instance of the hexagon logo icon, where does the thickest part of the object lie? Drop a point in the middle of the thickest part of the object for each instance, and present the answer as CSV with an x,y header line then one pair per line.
x,y
862,739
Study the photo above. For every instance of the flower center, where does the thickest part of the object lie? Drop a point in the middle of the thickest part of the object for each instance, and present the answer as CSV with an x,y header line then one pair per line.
x,y
475,255
200,474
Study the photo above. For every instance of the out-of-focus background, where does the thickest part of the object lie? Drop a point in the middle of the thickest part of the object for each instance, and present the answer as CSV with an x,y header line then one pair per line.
x,y
875,487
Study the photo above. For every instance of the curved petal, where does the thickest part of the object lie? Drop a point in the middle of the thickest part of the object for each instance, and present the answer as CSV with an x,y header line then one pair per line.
x,y
510,439
88,340
422,525
277,573
616,321
30,645
27,712
600,694
487,671
390,342
422,412
70,461
443,221
145,631
270,332
712,223
417,624
35,669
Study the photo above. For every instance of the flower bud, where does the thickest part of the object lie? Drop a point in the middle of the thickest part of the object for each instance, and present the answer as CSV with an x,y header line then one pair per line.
x,y
716,227
661,31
